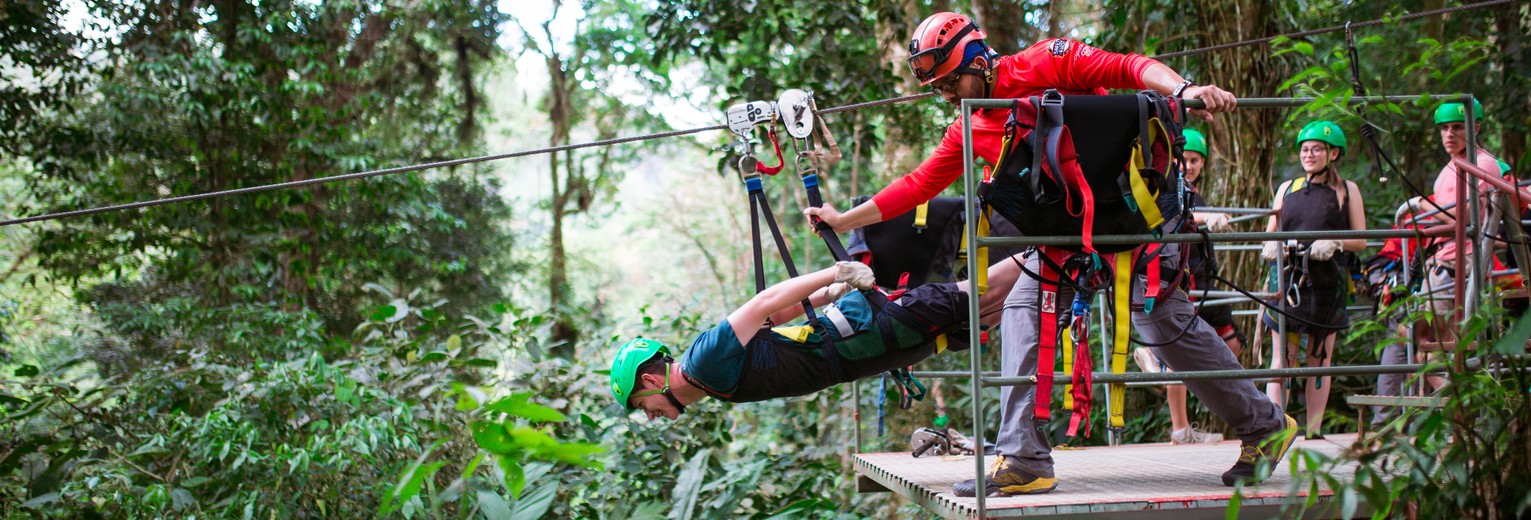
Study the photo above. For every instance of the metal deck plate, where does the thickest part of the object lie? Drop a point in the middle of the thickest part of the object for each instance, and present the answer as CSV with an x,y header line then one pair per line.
x,y
1136,481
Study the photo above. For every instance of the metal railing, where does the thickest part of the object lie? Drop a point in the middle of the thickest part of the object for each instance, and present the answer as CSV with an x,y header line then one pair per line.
x,y
1460,231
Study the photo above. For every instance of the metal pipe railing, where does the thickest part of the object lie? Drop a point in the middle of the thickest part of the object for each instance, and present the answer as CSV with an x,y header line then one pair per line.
x,y
979,381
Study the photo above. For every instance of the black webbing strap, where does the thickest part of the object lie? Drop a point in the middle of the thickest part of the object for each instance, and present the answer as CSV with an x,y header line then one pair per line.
x,y
760,206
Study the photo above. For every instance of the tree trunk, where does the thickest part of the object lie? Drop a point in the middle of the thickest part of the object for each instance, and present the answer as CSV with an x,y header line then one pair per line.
x,y
1005,24
564,334
1242,148
901,153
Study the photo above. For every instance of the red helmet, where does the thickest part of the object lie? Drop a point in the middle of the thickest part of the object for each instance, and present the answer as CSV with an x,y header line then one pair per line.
x,y
939,44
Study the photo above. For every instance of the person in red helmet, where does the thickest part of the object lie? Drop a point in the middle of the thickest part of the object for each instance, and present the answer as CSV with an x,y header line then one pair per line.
x,y
948,54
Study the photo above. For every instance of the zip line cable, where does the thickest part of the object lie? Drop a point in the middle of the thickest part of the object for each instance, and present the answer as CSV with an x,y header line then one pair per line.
x,y
1268,39
659,135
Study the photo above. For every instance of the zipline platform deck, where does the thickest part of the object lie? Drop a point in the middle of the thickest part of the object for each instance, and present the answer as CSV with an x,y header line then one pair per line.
x,y
1134,481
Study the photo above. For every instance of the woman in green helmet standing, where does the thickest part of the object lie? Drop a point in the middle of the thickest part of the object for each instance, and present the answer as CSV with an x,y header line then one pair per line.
x,y
1314,282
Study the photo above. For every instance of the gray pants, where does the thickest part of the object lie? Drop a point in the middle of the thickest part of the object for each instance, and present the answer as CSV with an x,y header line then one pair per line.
x,y
1391,384
1237,401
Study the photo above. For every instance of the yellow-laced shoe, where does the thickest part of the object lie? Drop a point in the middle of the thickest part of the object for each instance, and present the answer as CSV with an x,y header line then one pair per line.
x,y
1257,459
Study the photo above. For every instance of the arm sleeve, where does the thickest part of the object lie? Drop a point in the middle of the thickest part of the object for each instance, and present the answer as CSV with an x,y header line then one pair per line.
x,y
940,169
1069,64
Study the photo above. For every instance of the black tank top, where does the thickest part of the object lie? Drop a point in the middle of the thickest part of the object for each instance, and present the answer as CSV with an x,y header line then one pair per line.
x,y
1313,207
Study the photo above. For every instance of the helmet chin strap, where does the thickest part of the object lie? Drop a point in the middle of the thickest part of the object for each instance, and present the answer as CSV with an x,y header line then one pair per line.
x,y
680,408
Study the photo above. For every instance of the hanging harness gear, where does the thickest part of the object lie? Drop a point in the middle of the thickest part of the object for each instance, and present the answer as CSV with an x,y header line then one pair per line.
x,y
1049,184
860,326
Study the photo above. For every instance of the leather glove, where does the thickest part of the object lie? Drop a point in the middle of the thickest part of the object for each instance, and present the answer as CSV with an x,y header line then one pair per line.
x,y
1323,249
836,290
856,274
1215,222
1271,250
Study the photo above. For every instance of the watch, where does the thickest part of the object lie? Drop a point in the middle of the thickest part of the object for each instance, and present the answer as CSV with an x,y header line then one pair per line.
x,y
1181,88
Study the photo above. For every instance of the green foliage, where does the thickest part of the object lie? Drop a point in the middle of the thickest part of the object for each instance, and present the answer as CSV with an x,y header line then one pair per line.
x,y
1465,459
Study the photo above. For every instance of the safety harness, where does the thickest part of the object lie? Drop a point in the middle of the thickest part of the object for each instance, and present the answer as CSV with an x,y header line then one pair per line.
x,y
1049,188
798,110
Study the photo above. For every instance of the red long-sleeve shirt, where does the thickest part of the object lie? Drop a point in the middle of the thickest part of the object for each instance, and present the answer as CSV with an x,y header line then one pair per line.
x,y
1069,66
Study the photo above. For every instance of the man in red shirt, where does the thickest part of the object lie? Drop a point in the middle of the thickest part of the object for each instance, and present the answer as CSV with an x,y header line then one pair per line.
x,y
947,52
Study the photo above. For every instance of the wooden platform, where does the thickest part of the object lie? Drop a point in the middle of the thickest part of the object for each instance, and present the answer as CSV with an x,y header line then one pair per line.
x,y
1137,481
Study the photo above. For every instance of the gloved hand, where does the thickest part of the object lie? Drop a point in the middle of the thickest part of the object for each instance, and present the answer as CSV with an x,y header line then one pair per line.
x,y
856,274
1324,249
1215,222
1271,250
836,290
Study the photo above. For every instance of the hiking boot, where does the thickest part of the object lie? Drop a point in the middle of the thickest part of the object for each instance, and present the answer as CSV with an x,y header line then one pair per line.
x,y
1257,459
1191,435
1146,359
1004,479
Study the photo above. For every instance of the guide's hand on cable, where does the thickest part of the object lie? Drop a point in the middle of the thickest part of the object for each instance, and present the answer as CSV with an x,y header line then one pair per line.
x,y
855,273
1323,249
1271,250
1216,99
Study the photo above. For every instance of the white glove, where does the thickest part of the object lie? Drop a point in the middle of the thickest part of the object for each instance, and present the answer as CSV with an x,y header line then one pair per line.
x,y
856,274
1324,249
1271,250
1215,222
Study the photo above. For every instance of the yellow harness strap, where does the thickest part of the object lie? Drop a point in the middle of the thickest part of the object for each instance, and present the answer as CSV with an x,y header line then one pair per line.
x,y
1122,294
798,333
1146,199
982,277
921,215
1068,368
941,343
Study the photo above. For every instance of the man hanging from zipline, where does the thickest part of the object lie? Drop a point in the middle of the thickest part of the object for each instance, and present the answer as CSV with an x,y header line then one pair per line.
x,y
745,359
948,53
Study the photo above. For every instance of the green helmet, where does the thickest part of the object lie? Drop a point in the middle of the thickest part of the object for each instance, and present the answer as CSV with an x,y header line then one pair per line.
x,y
1504,167
624,367
1323,131
1457,112
1195,142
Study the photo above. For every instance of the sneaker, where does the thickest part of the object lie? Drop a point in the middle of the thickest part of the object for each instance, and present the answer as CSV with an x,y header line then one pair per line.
x,y
1191,435
1005,479
1146,359
1257,459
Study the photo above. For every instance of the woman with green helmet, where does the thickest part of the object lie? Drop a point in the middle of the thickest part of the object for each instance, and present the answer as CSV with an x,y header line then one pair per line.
x,y
1440,268
1314,282
1201,263
743,359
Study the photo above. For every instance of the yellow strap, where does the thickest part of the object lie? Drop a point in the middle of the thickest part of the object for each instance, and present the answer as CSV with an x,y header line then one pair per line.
x,y
1296,184
921,214
983,253
940,343
798,333
1068,368
1146,199
1119,338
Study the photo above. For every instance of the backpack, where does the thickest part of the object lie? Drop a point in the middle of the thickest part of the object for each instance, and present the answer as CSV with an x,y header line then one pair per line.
x,y
1090,165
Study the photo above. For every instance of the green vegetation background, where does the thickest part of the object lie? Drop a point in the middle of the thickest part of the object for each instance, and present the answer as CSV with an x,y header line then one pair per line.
x,y
431,344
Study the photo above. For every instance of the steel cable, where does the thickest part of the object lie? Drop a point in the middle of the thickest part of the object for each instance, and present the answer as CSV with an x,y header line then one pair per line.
x,y
659,135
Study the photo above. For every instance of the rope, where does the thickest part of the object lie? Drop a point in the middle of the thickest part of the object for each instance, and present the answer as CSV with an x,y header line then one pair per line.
x,y
660,135
1268,39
